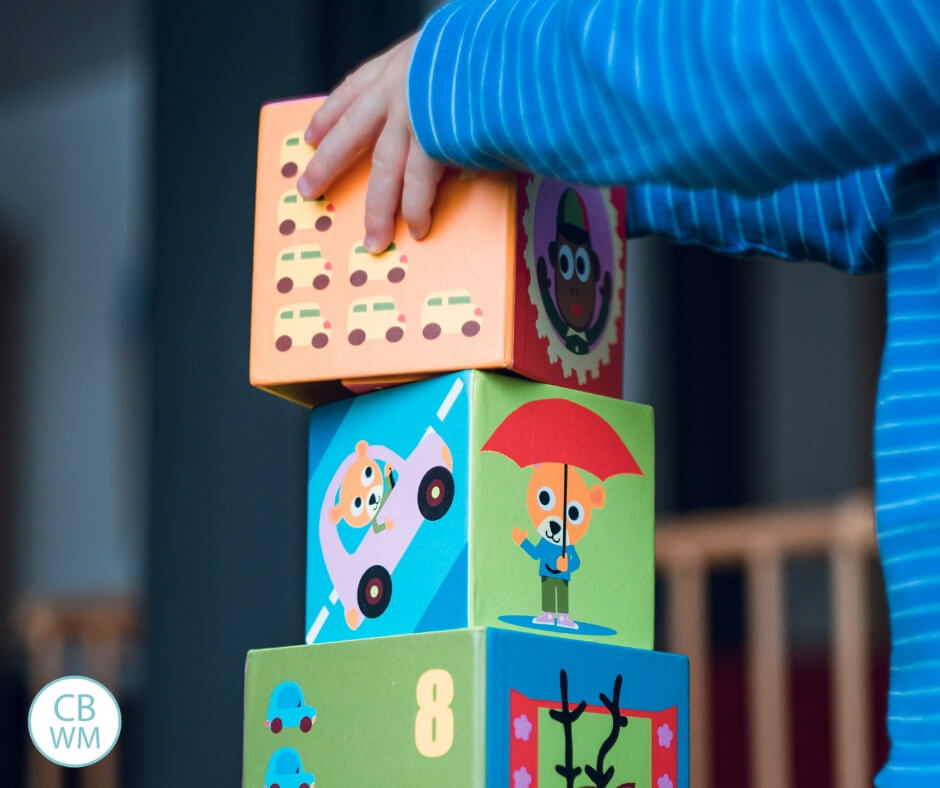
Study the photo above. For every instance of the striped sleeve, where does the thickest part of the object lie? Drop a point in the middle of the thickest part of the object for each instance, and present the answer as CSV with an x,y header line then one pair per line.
x,y
842,222
907,470
742,95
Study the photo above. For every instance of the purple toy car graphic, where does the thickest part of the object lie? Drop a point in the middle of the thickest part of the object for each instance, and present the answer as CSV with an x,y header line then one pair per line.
x,y
423,491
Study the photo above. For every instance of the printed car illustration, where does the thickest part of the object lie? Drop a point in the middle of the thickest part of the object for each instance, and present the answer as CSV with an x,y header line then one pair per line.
x,y
294,154
286,771
364,267
450,312
287,709
374,318
422,493
300,325
298,213
302,266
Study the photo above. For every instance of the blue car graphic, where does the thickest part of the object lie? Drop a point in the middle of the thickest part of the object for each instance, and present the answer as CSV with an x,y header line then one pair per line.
x,y
287,709
286,771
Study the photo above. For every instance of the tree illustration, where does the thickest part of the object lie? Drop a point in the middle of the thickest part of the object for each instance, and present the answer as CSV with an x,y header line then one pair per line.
x,y
600,776
567,717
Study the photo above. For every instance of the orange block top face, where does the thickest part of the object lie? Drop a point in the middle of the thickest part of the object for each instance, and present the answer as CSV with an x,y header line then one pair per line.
x,y
324,309
518,272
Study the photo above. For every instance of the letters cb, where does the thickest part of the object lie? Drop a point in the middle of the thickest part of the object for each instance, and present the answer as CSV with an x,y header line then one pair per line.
x,y
74,721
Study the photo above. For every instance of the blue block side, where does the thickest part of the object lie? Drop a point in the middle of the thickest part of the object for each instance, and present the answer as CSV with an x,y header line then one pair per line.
x,y
323,425
406,429
531,664
448,608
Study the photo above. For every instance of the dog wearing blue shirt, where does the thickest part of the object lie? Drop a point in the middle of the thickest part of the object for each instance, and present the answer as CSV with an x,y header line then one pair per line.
x,y
555,551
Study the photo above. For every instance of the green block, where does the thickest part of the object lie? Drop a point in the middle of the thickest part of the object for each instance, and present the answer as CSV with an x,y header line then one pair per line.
x,y
465,709
476,499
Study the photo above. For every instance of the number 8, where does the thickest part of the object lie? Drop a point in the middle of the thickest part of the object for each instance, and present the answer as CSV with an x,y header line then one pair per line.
x,y
434,724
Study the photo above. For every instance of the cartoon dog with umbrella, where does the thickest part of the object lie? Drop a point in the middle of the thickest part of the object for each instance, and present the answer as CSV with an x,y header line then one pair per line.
x,y
556,437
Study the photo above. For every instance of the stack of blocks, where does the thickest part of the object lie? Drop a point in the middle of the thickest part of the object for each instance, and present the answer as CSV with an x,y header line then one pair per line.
x,y
480,546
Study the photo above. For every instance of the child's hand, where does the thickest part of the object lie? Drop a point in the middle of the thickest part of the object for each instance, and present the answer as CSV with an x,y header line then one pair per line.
x,y
369,111
561,563
518,535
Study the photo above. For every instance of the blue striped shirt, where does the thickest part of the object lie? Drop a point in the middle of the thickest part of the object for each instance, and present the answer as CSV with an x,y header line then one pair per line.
x,y
808,130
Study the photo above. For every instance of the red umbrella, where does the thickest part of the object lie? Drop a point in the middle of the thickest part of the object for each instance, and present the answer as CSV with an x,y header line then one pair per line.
x,y
558,430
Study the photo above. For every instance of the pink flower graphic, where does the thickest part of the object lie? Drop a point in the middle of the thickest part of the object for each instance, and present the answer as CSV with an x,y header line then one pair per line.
x,y
521,727
664,782
664,732
522,779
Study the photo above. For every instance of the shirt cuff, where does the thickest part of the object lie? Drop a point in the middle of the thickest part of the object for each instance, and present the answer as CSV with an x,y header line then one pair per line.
x,y
440,87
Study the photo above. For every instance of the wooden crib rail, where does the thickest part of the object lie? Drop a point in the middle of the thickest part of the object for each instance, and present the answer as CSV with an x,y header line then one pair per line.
x,y
65,636
688,547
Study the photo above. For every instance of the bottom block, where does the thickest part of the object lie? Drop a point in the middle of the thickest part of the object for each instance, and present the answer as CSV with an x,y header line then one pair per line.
x,y
466,708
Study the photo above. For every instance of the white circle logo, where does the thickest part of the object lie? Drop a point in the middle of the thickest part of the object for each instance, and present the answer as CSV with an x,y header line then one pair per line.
x,y
74,721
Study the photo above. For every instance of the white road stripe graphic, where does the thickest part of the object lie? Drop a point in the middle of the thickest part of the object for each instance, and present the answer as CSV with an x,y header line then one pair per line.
x,y
450,399
317,625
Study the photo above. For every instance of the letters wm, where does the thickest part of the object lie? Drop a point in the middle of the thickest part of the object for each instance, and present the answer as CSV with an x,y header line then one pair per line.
x,y
74,721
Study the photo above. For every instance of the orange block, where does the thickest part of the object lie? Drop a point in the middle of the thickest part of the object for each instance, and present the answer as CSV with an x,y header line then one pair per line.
x,y
519,272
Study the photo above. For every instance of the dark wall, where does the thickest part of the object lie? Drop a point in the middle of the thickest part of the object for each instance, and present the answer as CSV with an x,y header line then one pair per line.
x,y
12,733
227,542
708,361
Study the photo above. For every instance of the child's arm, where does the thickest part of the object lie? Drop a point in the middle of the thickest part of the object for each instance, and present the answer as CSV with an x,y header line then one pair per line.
x,y
743,95
840,222
748,96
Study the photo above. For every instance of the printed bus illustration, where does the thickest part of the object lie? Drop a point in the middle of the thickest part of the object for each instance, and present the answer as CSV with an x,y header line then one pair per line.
x,y
390,497
365,267
302,266
450,312
301,325
295,153
549,738
298,213
374,318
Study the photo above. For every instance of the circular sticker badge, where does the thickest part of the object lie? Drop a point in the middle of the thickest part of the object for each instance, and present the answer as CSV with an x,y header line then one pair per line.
x,y
573,253
74,721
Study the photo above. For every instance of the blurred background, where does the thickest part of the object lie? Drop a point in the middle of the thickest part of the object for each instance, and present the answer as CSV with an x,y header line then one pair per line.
x,y
152,509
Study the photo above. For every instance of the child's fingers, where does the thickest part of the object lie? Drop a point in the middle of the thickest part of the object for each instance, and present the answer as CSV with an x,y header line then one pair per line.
x,y
384,191
422,176
342,97
353,133
330,112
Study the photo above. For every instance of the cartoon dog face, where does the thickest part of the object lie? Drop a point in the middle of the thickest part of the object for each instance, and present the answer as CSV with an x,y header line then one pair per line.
x,y
545,499
360,494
